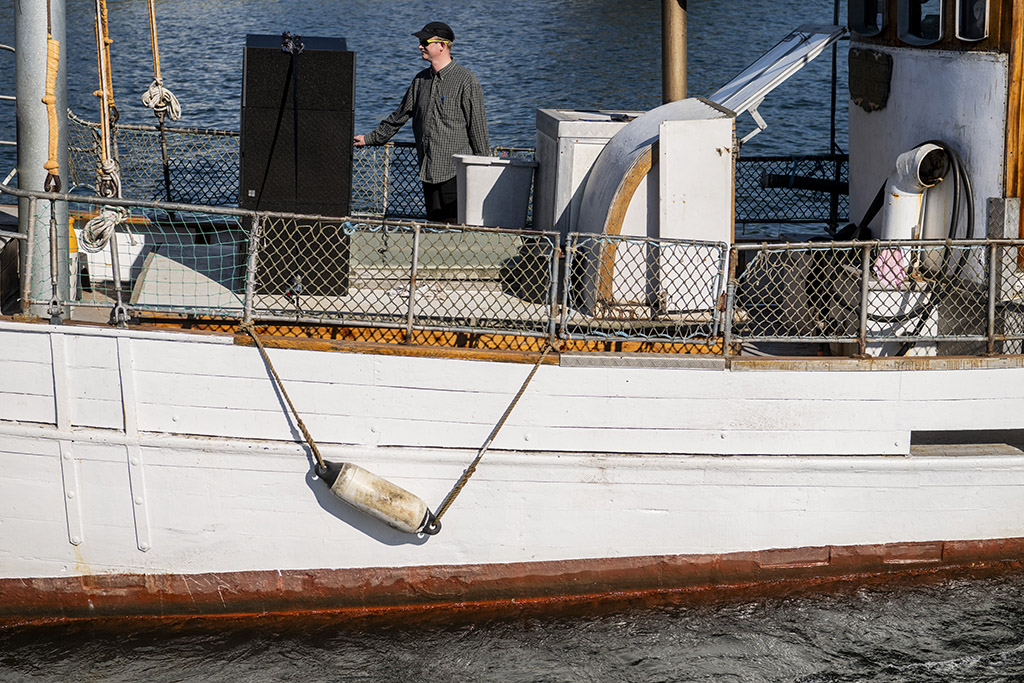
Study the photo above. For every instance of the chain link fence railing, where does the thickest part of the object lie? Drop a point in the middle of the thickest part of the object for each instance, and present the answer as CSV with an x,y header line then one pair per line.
x,y
202,164
641,289
186,262
202,168
954,297
405,275
882,298
793,190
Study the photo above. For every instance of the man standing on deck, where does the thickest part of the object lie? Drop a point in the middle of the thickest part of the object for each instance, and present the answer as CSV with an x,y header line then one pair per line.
x,y
446,104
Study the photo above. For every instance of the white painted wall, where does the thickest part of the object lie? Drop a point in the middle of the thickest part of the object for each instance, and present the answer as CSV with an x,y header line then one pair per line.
x,y
957,97
594,462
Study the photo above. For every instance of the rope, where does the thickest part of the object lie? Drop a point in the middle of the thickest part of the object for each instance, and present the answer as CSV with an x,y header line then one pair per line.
x,y
461,484
158,98
250,328
108,111
52,182
109,178
161,100
153,41
107,42
98,231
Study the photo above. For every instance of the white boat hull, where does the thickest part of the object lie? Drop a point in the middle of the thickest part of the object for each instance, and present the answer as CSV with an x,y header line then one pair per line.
x,y
158,472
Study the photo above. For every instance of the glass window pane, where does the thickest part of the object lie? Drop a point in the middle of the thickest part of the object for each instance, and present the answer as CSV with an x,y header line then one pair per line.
x,y
920,21
972,19
867,17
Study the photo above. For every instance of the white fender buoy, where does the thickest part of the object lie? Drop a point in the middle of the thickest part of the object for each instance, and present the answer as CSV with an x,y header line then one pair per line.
x,y
378,497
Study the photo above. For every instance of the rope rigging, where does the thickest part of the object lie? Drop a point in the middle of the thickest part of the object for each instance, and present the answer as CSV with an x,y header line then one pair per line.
x,y
161,100
427,523
435,524
251,330
52,166
108,173
99,231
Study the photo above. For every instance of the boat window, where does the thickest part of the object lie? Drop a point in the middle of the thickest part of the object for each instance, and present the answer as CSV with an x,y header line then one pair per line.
x,y
920,21
867,17
972,19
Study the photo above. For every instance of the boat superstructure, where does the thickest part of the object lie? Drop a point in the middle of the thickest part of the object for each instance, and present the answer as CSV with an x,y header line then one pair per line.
x,y
622,397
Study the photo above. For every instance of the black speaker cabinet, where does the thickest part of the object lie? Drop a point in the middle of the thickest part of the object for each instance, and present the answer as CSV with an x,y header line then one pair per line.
x,y
296,157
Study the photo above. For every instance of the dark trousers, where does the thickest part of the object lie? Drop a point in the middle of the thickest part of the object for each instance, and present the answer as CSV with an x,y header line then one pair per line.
x,y
442,201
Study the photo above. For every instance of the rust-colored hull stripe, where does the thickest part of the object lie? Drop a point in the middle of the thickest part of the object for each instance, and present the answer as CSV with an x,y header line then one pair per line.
x,y
385,590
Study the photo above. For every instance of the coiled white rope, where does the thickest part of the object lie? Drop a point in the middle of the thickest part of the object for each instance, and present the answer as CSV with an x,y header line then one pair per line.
x,y
108,175
98,231
158,97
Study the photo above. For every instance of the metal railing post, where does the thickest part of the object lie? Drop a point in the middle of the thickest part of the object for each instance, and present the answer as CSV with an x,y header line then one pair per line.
x,y
119,315
730,302
250,268
413,270
552,287
56,309
865,278
27,268
994,261
387,178
571,244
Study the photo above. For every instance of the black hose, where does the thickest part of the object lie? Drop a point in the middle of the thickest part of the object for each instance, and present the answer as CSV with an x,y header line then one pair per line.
x,y
961,182
960,178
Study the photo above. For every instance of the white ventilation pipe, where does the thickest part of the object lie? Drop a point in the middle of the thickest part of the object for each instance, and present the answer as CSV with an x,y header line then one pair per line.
x,y
917,170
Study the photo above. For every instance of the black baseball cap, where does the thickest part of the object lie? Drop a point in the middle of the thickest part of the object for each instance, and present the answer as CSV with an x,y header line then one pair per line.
x,y
436,29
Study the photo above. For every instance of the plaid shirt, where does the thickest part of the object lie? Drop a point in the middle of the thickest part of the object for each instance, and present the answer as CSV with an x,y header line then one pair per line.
x,y
447,110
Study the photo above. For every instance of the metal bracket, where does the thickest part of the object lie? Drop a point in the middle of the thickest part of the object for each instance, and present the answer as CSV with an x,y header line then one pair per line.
x,y
56,312
136,475
120,315
758,121
72,493
140,503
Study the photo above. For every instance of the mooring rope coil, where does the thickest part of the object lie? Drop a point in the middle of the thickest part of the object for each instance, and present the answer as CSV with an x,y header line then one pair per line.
x,y
97,232
161,100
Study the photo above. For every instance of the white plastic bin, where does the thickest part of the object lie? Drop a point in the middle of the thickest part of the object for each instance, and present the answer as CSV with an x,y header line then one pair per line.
x,y
493,191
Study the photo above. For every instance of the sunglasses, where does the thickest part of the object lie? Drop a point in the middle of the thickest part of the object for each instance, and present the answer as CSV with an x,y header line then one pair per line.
x,y
424,43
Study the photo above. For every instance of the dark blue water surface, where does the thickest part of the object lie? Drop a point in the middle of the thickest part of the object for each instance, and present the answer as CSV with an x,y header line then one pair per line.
x,y
581,54
527,54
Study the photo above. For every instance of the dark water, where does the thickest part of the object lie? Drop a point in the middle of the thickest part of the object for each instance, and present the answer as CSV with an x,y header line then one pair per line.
x,y
527,54
947,631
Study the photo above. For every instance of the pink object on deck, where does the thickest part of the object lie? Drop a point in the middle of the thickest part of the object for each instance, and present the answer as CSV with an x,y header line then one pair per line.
x,y
891,268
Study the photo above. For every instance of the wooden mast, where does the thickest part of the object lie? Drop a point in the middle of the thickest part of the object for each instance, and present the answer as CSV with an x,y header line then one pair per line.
x,y
1015,105
673,50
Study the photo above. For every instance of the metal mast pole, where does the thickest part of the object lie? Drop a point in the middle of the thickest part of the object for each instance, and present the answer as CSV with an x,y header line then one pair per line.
x,y
673,50
31,18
